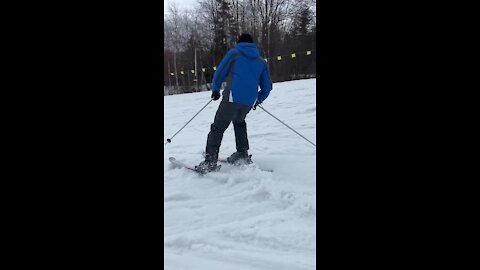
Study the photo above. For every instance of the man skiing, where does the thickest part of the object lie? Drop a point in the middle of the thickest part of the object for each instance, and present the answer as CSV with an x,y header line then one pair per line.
x,y
244,71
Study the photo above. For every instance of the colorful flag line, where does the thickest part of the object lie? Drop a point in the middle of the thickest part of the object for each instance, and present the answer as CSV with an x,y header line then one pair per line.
x,y
279,58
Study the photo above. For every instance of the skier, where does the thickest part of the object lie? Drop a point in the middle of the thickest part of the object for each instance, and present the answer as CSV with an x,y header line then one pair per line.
x,y
244,71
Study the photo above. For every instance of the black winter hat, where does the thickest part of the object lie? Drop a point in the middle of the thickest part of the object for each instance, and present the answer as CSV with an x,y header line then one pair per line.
x,y
245,38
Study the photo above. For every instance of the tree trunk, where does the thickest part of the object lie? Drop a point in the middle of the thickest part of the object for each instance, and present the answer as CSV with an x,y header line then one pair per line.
x,y
176,71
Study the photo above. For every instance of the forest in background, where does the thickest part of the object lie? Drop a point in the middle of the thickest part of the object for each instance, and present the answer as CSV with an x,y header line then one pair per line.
x,y
196,39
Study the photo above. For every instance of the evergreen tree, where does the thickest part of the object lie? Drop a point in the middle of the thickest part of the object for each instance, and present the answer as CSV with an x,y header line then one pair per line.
x,y
300,29
221,22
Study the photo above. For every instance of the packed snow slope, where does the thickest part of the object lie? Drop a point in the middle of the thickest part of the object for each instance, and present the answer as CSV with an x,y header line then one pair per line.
x,y
243,218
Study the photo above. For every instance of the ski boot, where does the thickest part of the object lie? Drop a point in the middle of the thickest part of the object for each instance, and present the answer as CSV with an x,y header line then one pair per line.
x,y
239,158
208,165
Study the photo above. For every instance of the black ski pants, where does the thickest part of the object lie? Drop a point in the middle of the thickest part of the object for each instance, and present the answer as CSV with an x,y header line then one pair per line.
x,y
228,112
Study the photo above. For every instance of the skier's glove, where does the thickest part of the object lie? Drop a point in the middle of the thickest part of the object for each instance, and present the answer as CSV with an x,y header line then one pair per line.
x,y
215,95
256,104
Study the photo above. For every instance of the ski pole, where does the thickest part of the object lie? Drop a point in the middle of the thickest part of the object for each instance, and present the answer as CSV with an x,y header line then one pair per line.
x,y
170,140
259,105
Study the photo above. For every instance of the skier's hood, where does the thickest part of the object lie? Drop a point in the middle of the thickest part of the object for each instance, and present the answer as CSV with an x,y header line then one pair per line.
x,y
248,49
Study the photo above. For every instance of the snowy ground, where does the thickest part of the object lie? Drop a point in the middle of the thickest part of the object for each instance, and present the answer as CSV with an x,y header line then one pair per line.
x,y
243,218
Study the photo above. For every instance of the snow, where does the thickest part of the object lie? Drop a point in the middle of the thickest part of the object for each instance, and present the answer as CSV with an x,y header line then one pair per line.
x,y
243,218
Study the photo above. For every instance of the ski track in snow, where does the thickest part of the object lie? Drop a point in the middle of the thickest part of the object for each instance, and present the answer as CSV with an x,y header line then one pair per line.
x,y
243,218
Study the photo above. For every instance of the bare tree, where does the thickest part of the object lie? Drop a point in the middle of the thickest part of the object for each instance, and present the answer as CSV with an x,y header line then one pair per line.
x,y
199,37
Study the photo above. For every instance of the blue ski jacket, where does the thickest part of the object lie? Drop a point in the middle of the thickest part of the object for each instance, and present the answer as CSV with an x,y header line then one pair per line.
x,y
244,71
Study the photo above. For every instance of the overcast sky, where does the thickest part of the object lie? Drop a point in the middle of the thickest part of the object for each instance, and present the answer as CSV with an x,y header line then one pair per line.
x,y
181,4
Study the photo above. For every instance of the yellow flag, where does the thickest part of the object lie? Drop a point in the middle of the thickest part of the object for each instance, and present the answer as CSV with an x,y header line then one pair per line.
x,y
294,55
309,52
279,58
193,71
214,68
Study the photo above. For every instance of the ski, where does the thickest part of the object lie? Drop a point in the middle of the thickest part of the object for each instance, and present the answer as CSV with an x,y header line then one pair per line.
x,y
224,160
179,164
